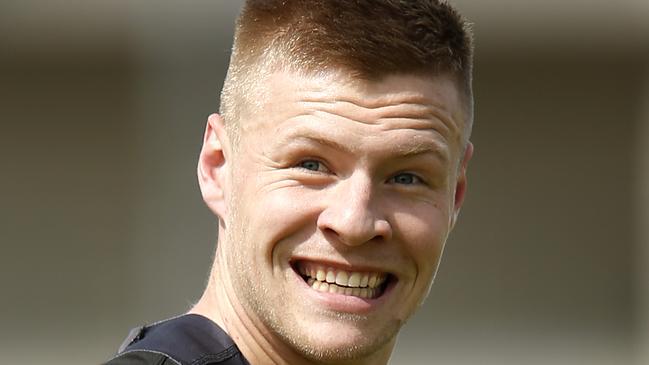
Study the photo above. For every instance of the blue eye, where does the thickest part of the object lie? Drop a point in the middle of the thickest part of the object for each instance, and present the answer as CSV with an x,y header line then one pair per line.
x,y
405,179
312,165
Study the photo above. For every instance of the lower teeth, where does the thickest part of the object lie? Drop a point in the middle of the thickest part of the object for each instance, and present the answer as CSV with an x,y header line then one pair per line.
x,y
333,288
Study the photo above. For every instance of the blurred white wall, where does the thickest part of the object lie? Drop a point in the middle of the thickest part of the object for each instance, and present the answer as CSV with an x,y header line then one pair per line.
x,y
642,232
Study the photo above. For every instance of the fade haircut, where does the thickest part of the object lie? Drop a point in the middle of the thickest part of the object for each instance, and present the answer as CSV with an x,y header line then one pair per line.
x,y
369,39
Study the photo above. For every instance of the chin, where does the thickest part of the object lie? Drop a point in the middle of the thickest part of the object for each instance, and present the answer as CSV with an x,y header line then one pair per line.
x,y
345,337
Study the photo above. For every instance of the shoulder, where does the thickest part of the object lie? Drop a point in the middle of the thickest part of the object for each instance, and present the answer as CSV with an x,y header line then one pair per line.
x,y
186,340
142,357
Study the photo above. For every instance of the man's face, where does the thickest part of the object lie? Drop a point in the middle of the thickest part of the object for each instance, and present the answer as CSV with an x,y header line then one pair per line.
x,y
342,196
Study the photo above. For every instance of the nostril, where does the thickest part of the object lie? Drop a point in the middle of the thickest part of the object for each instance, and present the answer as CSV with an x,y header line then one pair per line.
x,y
354,227
331,234
383,229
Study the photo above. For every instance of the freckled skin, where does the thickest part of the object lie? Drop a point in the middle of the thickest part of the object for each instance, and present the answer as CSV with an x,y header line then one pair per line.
x,y
331,170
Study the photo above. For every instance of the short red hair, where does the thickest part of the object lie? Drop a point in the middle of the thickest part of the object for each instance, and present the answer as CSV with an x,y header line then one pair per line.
x,y
369,39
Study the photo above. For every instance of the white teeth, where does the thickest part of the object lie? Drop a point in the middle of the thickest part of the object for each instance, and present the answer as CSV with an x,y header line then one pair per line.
x,y
321,275
342,278
324,287
354,280
335,289
329,280
381,279
364,279
372,281
331,276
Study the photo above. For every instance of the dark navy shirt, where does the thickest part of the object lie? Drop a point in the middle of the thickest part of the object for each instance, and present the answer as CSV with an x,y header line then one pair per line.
x,y
190,339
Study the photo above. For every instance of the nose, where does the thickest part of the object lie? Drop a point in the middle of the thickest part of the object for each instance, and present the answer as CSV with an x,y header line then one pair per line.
x,y
353,214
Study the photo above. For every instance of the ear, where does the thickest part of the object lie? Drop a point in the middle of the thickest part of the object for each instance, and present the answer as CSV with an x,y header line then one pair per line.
x,y
461,185
213,166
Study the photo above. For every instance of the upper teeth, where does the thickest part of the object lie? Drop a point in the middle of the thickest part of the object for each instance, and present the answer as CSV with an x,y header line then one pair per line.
x,y
352,279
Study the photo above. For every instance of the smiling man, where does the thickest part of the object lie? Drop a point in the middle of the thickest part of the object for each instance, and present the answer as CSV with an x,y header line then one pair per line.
x,y
337,170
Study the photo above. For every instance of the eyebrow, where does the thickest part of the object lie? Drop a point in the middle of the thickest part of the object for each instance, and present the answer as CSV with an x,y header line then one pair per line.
x,y
410,149
419,148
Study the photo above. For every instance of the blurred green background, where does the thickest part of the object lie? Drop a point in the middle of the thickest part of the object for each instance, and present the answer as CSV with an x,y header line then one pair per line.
x,y
102,110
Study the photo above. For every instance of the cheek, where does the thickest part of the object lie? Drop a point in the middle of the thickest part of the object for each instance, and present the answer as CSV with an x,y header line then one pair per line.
x,y
276,215
289,208
423,232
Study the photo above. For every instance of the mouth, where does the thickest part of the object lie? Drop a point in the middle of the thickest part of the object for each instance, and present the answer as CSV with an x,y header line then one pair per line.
x,y
327,279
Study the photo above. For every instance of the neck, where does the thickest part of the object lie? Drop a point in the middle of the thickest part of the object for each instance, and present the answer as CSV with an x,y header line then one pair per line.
x,y
258,344
219,303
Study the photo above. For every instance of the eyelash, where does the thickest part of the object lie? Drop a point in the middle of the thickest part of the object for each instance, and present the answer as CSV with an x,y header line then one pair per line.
x,y
416,180
321,164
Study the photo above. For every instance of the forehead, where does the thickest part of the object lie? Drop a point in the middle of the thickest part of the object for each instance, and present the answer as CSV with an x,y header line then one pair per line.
x,y
397,115
277,96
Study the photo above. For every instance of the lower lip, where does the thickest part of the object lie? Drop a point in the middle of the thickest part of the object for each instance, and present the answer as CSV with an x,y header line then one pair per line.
x,y
346,303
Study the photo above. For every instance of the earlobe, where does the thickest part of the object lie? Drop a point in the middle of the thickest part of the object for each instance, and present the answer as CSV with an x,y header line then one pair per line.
x,y
461,185
213,166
